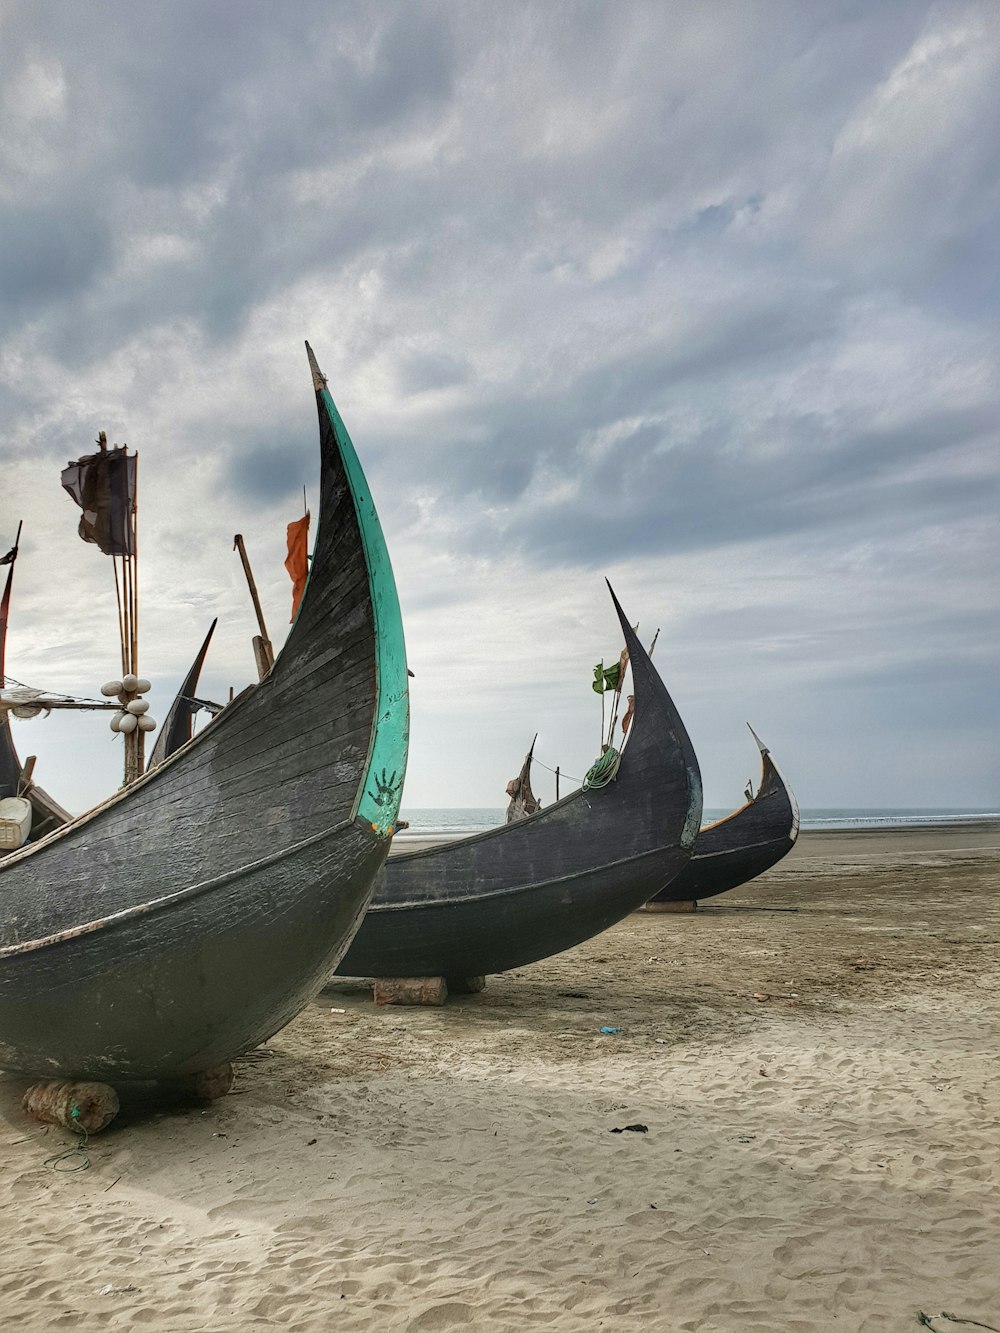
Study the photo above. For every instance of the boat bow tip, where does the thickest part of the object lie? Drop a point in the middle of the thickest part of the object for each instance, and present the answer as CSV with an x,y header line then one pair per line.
x,y
630,635
319,379
760,744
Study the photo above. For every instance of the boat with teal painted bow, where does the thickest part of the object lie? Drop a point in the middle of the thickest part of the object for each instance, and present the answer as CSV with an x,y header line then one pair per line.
x,y
193,914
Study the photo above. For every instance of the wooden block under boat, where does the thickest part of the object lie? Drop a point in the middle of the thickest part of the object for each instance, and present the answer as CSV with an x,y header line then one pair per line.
x,y
670,907
465,985
410,990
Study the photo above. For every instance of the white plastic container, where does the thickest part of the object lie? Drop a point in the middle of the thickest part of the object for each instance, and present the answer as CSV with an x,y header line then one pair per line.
x,y
15,823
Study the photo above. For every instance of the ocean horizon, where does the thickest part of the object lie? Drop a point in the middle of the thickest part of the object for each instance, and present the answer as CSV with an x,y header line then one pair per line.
x,y
463,821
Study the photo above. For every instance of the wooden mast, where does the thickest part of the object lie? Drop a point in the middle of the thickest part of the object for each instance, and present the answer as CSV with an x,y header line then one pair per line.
x,y
127,598
130,647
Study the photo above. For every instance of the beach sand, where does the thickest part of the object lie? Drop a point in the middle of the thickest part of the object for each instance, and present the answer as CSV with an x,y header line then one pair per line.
x,y
814,1057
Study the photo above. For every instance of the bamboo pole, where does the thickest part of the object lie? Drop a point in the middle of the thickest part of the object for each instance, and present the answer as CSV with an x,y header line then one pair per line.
x,y
121,615
266,658
602,705
139,734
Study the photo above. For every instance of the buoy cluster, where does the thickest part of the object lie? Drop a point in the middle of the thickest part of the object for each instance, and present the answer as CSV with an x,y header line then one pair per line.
x,y
134,711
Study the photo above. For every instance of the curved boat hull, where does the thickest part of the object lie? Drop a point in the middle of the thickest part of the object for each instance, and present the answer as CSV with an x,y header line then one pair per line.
x,y
742,846
194,913
531,889
190,988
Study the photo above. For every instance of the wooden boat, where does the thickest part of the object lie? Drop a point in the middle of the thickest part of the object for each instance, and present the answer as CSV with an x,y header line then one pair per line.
x,y
744,844
15,780
192,915
534,887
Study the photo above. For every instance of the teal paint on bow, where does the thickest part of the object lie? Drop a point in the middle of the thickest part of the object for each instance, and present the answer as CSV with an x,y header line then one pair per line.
x,y
382,788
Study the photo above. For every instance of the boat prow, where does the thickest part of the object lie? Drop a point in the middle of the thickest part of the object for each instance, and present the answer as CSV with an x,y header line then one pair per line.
x,y
742,846
537,886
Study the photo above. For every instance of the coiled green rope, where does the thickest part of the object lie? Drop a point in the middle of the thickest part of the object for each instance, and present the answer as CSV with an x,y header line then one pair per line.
x,y
75,1158
605,770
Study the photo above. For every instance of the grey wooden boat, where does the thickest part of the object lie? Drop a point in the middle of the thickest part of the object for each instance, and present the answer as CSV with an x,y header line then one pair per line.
x,y
744,844
534,887
193,914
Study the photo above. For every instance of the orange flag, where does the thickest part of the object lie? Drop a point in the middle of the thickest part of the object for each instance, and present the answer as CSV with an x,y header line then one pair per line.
x,y
297,560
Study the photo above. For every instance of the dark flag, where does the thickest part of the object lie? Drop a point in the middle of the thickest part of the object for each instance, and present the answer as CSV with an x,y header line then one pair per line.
x,y
10,557
103,485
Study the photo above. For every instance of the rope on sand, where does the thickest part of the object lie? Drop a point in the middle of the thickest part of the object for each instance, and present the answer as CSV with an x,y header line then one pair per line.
x,y
78,1150
926,1321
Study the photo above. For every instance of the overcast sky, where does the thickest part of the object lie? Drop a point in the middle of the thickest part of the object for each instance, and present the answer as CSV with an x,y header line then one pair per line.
x,y
701,298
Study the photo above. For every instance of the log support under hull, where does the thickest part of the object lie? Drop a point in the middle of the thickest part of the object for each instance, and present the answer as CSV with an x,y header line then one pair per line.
x,y
83,1107
410,990
87,1107
423,990
465,985
688,906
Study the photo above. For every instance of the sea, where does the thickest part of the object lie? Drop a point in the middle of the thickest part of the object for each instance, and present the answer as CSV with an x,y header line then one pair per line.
x,y
449,822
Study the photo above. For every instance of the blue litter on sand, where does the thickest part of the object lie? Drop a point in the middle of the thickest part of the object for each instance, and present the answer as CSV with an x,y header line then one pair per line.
x,y
610,1031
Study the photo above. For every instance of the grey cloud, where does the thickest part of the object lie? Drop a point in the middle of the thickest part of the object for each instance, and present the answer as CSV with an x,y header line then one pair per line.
x,y
47,255
600,283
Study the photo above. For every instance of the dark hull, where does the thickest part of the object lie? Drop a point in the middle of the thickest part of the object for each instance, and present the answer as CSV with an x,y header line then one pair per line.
x,y
533,888
10,765
192,915
177,726
46,813
744,845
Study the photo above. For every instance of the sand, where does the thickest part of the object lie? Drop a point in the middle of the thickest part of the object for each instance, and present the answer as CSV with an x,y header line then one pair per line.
x,y
814,1058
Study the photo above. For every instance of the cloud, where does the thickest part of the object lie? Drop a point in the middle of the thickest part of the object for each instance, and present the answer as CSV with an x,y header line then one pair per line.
x,y
702,298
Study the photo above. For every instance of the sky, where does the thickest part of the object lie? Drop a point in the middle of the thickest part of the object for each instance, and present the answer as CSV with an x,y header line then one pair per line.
x,y
698,299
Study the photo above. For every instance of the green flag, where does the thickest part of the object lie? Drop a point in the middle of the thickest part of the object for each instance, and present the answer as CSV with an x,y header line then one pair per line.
x,y
606,678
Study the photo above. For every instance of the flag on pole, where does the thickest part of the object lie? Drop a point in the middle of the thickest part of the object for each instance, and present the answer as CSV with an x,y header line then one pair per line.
x,y
103,485
297,560
606,678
